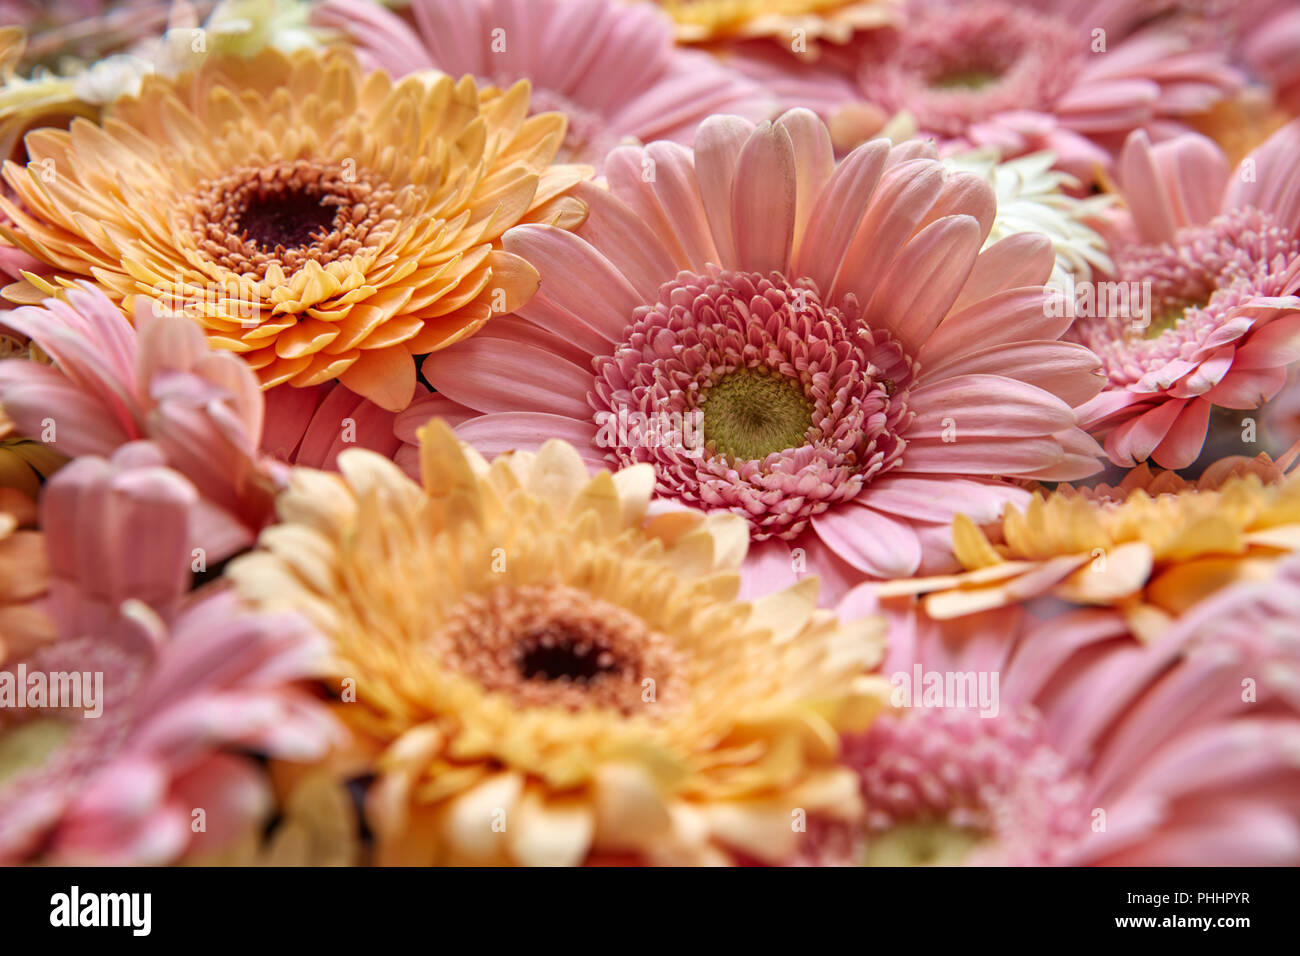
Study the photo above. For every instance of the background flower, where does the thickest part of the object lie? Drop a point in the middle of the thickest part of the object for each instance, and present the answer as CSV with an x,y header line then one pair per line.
x,y
115,384
609,66
24,577
1216,258
831,20
1070,77
1104,749
187,682
1034,197
1151,548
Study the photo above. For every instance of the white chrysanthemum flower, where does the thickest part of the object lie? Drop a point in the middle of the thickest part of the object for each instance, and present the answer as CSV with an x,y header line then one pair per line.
x,y
111,79
1034,197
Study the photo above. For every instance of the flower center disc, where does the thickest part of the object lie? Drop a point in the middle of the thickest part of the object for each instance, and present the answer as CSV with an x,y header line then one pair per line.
x,y
752,412
288,212
930,843
30,744
1189,288
287,219
972,79
776,404
556,646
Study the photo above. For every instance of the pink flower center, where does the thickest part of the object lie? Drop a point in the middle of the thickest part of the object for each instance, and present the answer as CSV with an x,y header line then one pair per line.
x,y
962,64
749,393
948,786
1170,298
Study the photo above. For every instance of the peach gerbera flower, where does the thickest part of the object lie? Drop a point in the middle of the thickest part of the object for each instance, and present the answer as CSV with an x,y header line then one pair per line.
x,y
24,576
321,222
825,350
1151,547
544,676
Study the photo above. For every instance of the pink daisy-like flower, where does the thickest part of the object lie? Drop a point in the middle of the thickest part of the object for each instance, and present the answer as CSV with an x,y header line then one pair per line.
x,y
1264,36
159,380
114,384
1100,749
1070,76
609,66
822,350
1217,254
183,684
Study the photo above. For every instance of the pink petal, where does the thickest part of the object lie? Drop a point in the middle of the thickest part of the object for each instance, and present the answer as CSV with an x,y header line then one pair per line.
x,y
495,376
878,545
763,197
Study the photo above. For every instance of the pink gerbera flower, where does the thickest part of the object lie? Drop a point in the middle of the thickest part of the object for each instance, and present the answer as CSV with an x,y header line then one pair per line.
x,y
115,383
1268,33
609,66
1070,76
1219,255
822,350
186,682
1099,749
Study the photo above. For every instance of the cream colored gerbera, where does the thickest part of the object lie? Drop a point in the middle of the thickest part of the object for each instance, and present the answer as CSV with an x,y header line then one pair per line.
x,y
539,674
1151,547
788,20
319,221
1033,196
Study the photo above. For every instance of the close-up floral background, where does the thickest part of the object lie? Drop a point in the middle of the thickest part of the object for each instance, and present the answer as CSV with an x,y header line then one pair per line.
x,y
615,432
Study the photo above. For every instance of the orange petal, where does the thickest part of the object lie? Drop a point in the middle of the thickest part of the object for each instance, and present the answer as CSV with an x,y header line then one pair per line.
x,y
306,338
385,376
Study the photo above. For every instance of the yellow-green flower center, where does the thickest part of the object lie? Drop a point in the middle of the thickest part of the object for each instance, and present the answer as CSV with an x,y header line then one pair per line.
x,y
922,844
29,744
1171,314
966,80
752,412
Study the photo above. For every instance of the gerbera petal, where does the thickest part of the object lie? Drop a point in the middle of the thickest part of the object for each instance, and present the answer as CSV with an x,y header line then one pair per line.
x,y
881,546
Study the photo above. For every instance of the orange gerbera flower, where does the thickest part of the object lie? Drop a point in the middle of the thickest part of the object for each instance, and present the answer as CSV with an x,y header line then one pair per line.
x,y
322,222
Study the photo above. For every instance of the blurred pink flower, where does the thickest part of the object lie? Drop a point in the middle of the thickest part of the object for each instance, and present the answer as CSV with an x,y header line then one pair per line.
x,y
187,682
824,351
114,384
204,409
1103,749
610,66
1070,76
1270,46
1221,253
